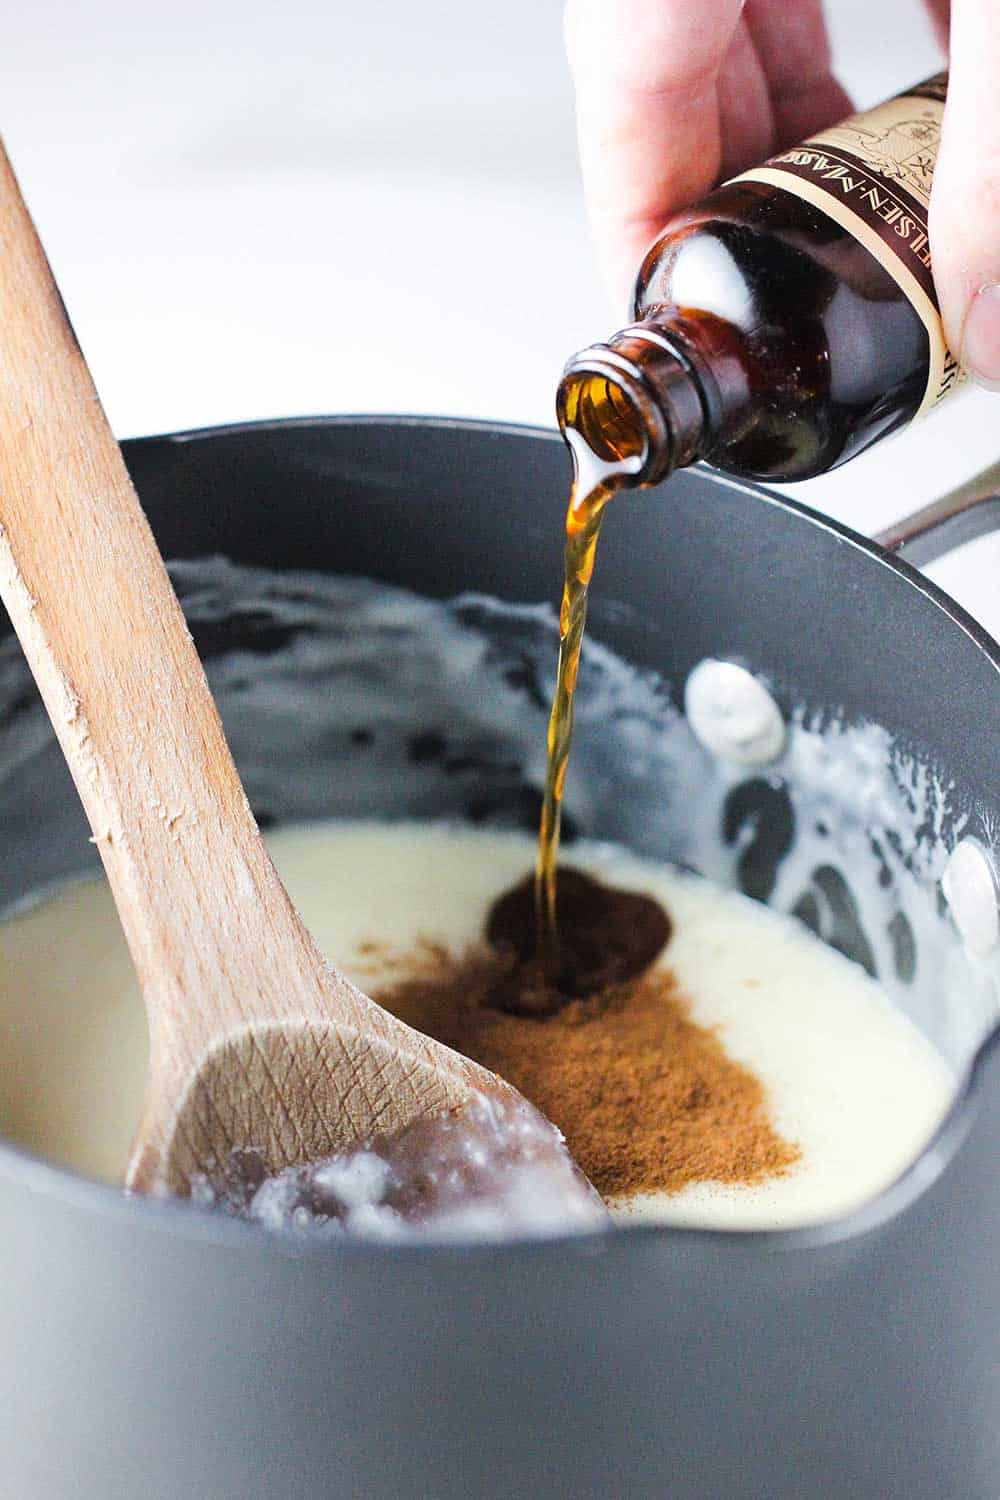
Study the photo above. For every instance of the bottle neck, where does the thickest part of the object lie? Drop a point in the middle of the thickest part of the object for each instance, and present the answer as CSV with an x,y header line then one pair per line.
x,y
636,403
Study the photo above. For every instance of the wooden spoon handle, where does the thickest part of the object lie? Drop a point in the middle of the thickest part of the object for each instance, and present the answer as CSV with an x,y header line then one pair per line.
x,y
97,618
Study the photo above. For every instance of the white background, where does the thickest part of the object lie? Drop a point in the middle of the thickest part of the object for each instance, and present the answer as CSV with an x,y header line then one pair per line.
x,y
261,210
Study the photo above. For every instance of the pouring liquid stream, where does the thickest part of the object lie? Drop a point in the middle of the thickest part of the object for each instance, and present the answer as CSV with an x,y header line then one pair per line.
x,y
595,481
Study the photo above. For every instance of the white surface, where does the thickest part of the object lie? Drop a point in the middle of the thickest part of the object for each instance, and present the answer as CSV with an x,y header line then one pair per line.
x,y
262,211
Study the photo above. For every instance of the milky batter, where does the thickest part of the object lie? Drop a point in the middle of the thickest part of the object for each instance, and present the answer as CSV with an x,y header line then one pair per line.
x,y
849,1078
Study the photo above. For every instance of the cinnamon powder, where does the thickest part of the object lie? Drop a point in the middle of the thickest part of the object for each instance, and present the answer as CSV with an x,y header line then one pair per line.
x,y
648,1100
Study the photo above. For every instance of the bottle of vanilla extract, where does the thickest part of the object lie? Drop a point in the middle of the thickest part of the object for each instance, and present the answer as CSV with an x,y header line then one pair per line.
x,y
783,324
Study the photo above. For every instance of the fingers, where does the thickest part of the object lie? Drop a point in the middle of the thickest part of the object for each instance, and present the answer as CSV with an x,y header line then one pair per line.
x,y
965,200
794,51
744,104
671,95
647,114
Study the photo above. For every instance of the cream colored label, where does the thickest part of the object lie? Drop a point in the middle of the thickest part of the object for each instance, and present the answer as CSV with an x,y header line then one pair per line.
x,y
872,175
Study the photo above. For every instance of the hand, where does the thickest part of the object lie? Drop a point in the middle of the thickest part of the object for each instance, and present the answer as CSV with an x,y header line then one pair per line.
x,y
675,95
965,198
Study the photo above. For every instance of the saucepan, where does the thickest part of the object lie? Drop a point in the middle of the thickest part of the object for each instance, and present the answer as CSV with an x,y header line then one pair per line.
x,y
153,1351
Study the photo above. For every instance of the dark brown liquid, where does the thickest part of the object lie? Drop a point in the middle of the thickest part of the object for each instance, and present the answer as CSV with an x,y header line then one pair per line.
x,y
583,526
606,937
599,472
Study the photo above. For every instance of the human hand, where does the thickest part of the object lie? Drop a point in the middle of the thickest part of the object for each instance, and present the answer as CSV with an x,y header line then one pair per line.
x,y
965,198
673,96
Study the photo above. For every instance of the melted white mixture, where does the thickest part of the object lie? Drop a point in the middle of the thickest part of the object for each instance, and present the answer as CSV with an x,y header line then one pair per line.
x,y
849,1077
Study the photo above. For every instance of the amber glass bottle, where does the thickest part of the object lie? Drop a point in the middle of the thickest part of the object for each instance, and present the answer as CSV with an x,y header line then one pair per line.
x,y
786,322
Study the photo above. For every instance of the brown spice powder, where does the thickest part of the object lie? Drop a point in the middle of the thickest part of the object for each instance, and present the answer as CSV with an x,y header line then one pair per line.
x,y
648,1100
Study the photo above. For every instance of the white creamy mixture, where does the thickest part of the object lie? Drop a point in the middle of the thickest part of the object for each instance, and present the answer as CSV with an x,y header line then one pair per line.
x,y
849,1078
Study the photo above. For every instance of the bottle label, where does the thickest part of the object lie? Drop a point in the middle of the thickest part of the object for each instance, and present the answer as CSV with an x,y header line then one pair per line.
x,y
872,174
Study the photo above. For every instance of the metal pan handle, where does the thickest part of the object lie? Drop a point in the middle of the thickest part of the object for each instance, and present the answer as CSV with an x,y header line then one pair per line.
x,y
970,510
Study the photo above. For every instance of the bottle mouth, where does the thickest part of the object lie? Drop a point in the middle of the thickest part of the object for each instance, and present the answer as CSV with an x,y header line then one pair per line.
x,y
635,401
606,418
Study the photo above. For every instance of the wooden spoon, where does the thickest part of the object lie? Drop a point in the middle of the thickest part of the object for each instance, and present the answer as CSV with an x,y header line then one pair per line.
x,y
254,1038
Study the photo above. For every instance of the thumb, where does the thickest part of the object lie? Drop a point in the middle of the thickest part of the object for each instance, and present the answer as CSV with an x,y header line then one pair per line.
x,y
965,200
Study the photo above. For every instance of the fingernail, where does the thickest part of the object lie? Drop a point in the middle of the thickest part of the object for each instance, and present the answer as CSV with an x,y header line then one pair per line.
x,y
981,338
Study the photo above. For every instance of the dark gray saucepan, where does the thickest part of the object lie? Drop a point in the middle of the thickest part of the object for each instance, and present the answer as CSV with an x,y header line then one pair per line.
x,y
151,1352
